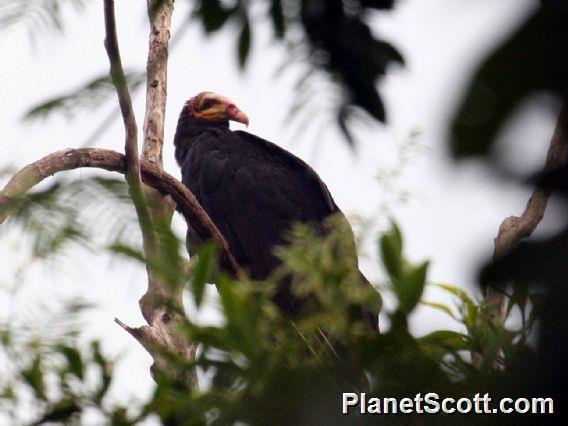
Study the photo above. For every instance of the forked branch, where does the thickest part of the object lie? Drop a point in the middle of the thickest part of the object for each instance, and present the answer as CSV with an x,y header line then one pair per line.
x,y
131,130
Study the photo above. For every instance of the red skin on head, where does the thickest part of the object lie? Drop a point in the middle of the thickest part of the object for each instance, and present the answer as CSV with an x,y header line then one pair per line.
x,y
232,112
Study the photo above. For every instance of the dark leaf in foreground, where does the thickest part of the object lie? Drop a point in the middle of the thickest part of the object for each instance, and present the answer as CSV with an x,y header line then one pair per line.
x,y
533,60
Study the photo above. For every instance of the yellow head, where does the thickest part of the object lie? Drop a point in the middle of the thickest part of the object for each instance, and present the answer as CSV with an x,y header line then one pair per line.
x,y
214,107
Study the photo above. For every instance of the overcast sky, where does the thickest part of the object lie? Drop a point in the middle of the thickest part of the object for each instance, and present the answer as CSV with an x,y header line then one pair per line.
x,y
452,213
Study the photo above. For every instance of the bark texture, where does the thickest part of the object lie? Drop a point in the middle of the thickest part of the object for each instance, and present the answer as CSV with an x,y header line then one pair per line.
x,y
155,194
157,80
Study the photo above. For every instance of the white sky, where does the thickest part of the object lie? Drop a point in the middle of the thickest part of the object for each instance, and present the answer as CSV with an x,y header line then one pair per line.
x,y
453,212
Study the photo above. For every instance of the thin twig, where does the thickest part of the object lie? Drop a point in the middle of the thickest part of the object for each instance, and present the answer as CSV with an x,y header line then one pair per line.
x,y
106,123
124,100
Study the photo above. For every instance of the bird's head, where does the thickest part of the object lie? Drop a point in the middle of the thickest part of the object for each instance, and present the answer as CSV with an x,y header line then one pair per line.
x,y
213,107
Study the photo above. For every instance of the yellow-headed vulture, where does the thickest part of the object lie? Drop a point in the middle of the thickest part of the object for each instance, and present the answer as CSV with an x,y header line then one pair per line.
x,y
252,189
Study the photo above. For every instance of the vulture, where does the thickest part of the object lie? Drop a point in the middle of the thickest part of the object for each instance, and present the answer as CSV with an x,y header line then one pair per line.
x,y
252,189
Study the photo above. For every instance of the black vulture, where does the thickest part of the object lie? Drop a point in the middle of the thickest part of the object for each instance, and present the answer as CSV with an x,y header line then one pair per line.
x,y
252,189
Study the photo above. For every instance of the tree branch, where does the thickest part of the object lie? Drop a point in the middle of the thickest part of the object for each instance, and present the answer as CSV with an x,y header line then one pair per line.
x,y
124,100
160,304
133,176
155,343
160,15
514,228
166,184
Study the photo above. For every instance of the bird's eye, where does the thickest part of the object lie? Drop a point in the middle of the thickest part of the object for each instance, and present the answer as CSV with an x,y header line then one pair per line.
x,y
208,103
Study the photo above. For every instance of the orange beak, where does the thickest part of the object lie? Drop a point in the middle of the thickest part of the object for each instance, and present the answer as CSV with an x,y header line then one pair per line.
x,y
235,114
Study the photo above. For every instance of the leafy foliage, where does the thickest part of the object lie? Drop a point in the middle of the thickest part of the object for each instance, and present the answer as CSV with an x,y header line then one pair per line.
x,y
47,15
533,60
331,40
335,40
265,367
59,218
87,97
56,383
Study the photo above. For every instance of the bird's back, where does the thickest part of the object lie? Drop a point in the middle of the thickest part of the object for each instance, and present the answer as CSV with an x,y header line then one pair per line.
x,y
253,190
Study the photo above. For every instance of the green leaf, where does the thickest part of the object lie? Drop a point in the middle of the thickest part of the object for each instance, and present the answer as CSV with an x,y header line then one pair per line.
x,y
202,271
391,252
74,360
33,376
38,15
456,291
410,289
438,343
470,308
244,42
128,251
87,97
241,315
439,307
61,412
5,337
213,337
106,371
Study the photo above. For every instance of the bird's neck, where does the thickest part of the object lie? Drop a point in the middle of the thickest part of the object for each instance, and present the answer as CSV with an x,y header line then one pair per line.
x,y
189,128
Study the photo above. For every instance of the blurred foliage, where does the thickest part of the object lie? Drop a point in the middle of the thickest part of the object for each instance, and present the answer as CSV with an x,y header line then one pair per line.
x,y
266,368
532,61
269,369
87,97
49,377
330,39
67,216
44,15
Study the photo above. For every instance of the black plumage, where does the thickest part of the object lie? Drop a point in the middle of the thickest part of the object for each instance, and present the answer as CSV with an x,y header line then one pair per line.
x,y
252,189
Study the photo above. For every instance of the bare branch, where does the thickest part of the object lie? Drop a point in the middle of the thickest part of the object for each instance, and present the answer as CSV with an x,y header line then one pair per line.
x,y
161,304
124,100
155,342
514,228
163,182
160,15
131,131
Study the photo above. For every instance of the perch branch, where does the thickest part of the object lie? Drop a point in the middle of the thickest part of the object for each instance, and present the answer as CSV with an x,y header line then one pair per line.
x,y
514,228
166,184
162,332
